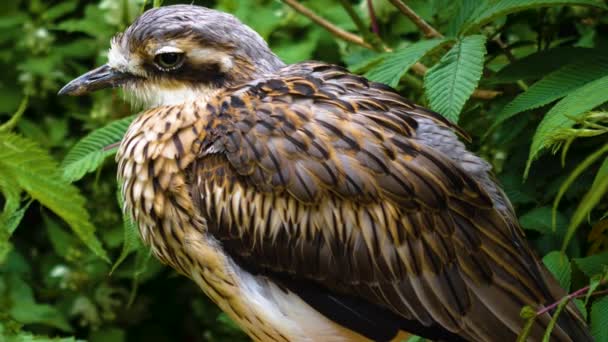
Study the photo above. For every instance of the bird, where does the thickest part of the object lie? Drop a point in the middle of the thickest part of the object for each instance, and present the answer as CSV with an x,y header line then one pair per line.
x,y
310,203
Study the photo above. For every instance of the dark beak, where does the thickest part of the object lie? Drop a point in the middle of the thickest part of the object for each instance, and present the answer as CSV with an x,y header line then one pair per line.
x,y
100,78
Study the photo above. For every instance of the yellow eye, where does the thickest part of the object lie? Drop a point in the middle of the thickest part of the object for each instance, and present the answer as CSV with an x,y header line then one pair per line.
x,y
169,61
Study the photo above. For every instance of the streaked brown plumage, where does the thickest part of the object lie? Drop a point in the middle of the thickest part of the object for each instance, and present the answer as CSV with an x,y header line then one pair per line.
x,y
282,189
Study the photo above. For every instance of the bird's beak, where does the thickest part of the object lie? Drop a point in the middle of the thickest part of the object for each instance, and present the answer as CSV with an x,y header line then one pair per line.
x,y
100,78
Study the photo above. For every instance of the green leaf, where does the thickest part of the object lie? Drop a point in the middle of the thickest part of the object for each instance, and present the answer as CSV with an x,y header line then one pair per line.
x,y
554,86
466,8
589,201
495,9
593,264
559,265
578,170
395,64
59,10
64,244
450,83
131,238
25,309
562,114
38,174
539,64
90,152
539,219
13,220
602,173
599,320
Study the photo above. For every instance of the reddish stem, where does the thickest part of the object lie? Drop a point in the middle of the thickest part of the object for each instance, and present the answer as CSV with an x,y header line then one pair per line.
x,y
582,292
372,16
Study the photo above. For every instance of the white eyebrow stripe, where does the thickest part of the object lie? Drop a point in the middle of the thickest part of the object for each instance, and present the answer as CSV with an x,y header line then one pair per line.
x,y
211,55
168,49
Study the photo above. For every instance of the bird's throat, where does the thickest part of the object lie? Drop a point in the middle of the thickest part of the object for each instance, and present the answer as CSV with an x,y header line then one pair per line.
x,y
150,95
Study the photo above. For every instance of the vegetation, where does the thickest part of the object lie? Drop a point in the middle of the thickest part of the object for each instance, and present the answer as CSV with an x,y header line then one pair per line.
x,y
528,79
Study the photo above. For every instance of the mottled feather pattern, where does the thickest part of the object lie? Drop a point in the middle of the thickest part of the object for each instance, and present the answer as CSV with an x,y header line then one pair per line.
x,y
322,175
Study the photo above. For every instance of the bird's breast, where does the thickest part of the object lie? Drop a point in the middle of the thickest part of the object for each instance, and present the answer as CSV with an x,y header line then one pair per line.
x,y
152,161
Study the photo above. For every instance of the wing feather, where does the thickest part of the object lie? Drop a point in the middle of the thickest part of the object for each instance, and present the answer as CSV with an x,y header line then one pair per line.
x,y
321,175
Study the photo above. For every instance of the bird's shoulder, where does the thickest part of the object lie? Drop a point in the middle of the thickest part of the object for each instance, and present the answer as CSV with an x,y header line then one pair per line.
x,y
313,127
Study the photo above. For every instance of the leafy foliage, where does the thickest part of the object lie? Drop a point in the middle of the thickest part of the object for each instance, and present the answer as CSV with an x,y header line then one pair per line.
x,y
450,83
395,64
556,85
521,76
37,174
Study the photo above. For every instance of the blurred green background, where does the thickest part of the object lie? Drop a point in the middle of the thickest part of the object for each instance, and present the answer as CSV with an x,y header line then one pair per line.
x,y
53,286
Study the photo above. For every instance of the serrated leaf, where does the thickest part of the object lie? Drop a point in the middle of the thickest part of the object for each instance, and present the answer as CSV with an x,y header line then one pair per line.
x,y
539,219
541,63
39,175
562,114
559,265
466,9
555,86
395,64
496,9
90,152
599,320
450,83
593,264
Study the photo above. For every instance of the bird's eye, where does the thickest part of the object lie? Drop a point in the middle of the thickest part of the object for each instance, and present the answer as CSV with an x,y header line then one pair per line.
x,y
169,60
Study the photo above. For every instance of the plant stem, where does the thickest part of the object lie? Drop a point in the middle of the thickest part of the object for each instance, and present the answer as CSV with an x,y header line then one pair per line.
x,y
576,294
373,18
12,122
331,28
427,29
367,35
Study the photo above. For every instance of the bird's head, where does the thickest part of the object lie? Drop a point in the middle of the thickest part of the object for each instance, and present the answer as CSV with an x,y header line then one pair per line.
x,y
174,54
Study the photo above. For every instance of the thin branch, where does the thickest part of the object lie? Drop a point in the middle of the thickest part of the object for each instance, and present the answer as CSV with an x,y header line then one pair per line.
x,y
427,29
331,28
